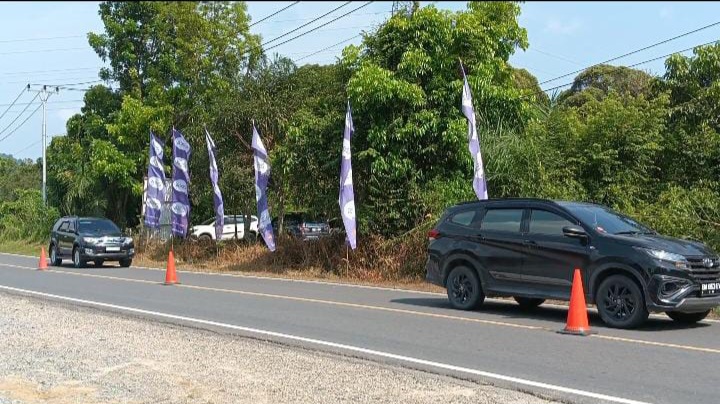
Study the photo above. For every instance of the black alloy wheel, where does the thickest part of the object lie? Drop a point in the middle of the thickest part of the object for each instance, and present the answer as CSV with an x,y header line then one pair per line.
x,y
620,302
463,289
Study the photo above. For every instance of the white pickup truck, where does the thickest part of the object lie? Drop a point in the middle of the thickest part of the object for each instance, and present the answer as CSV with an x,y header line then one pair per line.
x,y
232,224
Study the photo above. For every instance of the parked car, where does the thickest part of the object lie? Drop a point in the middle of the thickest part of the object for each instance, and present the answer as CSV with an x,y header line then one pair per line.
x,y
302,225
231,225
84,239
528,249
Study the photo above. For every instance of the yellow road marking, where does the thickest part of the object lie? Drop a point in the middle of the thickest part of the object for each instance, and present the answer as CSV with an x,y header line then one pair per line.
x,y
386,309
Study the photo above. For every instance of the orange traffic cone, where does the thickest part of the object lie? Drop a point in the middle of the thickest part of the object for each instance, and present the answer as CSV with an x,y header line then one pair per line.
x,y
577,320
43,260
170,275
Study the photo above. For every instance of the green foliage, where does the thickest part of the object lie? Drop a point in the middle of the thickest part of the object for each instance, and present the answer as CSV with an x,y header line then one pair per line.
x,y
644,145
26,217
17,175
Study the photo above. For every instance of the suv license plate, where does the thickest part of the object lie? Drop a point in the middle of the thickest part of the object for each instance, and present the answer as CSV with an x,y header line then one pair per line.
x,y
112,249
711,288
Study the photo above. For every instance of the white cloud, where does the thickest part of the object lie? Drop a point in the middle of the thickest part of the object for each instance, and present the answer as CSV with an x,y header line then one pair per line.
x,y
67,113
562,27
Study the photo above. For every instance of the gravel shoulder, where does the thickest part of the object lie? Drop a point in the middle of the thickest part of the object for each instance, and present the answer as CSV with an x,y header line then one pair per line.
x,y
55,353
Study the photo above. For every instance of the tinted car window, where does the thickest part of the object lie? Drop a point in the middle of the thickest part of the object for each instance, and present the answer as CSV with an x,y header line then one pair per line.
x,y
97,226
502,220
544,222
64,226
71,227
463,218
209,222
605,220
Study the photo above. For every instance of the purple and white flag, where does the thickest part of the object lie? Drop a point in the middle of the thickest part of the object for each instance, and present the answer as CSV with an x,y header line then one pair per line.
x,y
217,195
262,176
155,193
181,182
479,184
347,196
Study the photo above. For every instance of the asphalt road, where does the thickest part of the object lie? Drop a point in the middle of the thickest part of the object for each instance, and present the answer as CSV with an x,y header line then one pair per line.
x,y
499,344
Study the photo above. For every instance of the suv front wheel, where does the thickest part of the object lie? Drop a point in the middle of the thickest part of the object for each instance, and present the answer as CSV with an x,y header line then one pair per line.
x,y
77,258
54,259
620,302
463,289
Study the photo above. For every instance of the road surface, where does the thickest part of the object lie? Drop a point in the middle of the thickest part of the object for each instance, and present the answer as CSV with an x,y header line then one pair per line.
x,y
500,344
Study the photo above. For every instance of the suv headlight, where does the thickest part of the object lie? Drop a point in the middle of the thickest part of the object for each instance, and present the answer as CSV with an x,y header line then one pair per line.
x,y
92,240
678,260
127,240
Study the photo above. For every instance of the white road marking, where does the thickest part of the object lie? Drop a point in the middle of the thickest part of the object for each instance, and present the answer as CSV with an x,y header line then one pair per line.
x,y
350,285
344,347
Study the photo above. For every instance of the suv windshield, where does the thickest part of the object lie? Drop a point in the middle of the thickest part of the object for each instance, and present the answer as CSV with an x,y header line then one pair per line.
x,y
605,220
97,226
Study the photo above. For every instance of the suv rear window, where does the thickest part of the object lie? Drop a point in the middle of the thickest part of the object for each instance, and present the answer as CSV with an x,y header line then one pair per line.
x,y
502,220
463,218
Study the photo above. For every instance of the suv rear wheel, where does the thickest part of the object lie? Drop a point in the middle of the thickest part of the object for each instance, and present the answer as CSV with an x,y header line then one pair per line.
x,y
620,302
528,302
687,318
77,259
463,289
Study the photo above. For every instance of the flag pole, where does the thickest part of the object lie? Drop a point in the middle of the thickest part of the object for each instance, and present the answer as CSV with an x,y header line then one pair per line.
x,y
347,261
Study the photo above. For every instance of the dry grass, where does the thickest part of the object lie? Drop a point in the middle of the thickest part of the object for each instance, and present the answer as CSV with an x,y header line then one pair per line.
x,y
398,263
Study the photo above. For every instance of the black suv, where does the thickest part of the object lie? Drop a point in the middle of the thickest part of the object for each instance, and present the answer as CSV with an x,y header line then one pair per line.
x,y
528,249
84,239
303,226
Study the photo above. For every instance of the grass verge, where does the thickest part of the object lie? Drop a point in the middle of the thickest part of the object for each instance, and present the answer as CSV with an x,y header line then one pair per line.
x,y
20,247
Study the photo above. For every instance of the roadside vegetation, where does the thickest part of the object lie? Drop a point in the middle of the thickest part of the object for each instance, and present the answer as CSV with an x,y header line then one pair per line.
x,y
647,146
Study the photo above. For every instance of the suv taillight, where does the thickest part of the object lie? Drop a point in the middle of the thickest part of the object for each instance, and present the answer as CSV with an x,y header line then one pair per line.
x,y
433,235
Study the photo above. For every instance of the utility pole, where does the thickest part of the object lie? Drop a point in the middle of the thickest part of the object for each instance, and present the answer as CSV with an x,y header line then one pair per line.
x,y
44,96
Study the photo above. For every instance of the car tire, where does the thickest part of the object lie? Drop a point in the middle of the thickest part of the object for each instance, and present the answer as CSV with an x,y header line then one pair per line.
x,y
77,258
55,260
205,237
464,289
125,263
98,263
620,302
528,302
687,318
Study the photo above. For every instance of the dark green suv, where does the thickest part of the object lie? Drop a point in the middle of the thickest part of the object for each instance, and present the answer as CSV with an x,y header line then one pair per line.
x,y
528,249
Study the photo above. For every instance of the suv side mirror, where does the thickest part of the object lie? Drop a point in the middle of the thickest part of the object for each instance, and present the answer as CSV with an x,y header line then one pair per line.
x,y
574,232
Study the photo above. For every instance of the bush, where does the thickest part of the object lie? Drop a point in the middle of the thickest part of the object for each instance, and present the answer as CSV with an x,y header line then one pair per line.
x,y
26,218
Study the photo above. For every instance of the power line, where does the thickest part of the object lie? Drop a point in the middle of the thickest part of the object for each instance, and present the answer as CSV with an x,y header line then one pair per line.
x,y
13,103
273,14
19,115
307,23
633,52
641,63
22,123
53,78
56,102
305,19
41,39
329,47
44,50
49,71
319,26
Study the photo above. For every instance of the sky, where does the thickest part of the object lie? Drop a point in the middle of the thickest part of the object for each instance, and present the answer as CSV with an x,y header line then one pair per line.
x,y
45,43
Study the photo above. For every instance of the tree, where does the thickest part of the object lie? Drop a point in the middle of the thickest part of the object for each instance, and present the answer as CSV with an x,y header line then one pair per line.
x,y
597,82
405,86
